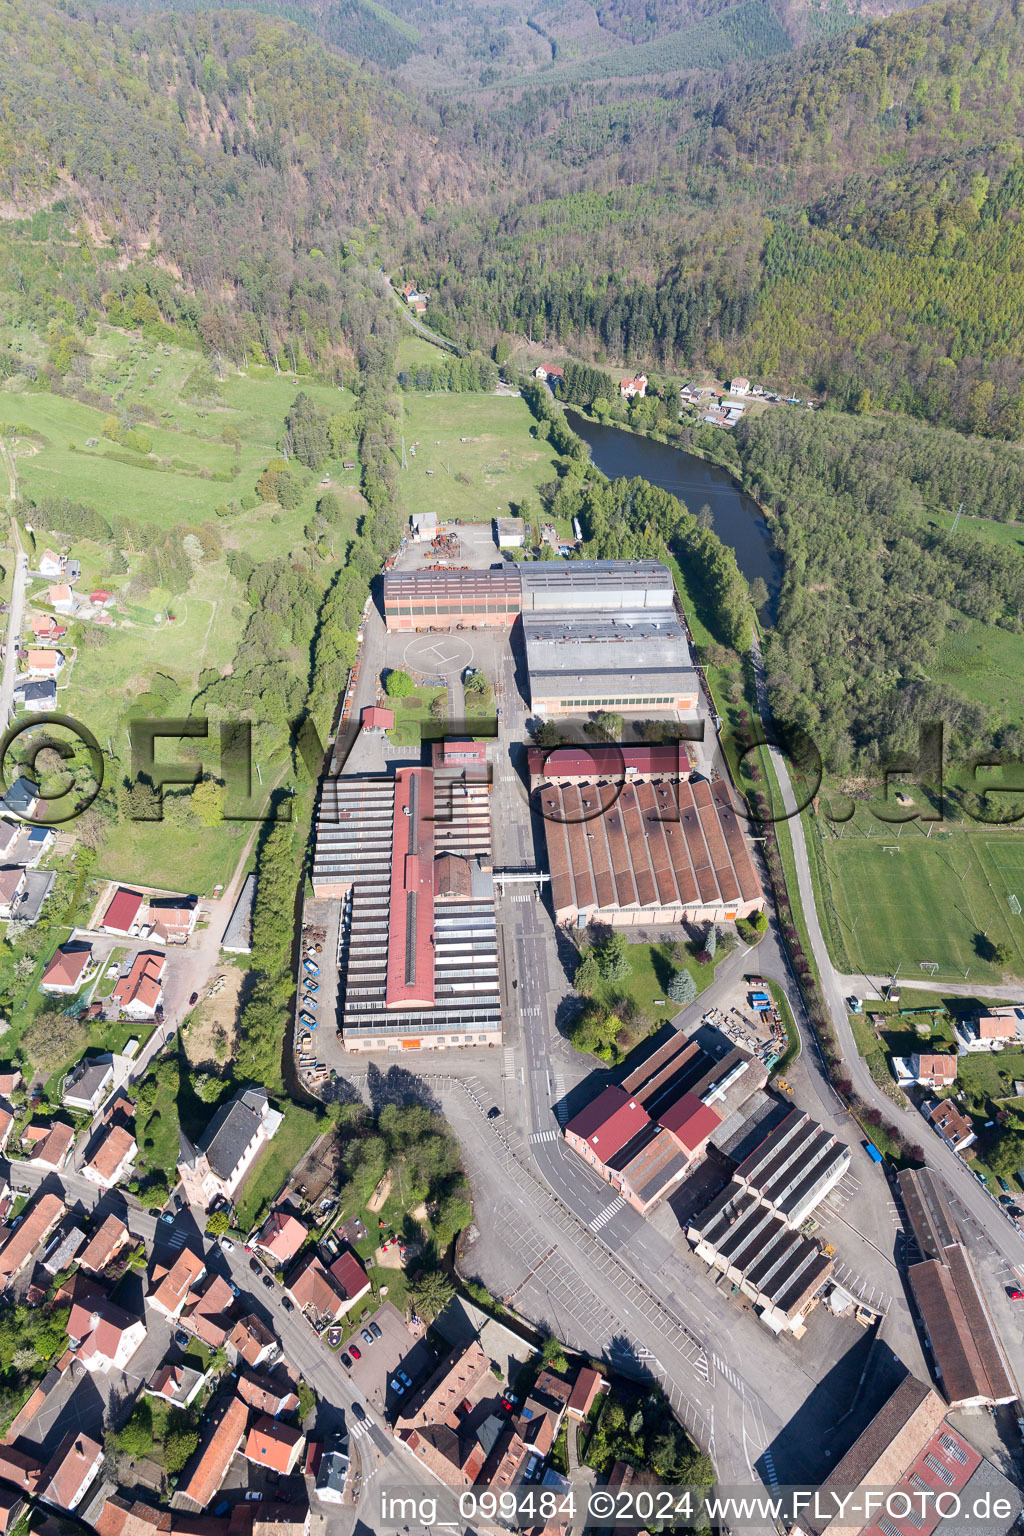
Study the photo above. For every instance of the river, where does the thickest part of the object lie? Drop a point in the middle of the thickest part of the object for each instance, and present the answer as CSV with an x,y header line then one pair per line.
x,y
738,521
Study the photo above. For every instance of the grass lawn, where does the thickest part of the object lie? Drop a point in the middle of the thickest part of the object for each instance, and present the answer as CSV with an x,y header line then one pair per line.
x,y
413,720
501,464
652,969
173,857
983,662
294,1138
416,351
992,1073
927,902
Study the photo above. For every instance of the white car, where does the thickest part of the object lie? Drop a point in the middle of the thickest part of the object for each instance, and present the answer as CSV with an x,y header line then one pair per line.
x,y
227,1245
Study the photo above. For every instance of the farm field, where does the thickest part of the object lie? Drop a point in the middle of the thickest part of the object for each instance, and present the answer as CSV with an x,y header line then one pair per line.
x,y
502,463
928,902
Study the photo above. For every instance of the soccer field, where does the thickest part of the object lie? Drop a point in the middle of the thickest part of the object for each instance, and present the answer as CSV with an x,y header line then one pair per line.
x,y
926,902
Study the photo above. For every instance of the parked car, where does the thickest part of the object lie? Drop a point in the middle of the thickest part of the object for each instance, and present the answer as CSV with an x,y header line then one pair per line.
x,y
366,1336
181,1339
268,1281
167,1216
234,1288
193,999
358,1412
1014,1294
1003,1185
403,1377
375,1330
346,1360
355,1352
396,1387
227,1245
493,1112
255,1266
288,1304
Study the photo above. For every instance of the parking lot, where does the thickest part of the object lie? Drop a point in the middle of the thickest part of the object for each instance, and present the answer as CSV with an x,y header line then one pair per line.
x,y
398,1348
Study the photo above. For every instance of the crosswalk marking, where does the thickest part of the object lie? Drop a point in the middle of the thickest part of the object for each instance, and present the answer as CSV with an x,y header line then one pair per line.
x,y
607,1214
510,1061
537,1136
769,1467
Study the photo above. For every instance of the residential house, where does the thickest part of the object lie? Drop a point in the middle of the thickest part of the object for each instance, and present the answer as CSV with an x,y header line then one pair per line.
x,y
67,971
51,1144
585,1389
62,1250
69,1472
952,1125
630,388
62,598
926,1069
173,918
105,1244
176,1384
39,698
349,1277
51,564
113,1157
12,888
208,1468
739,387
101,597
314,1291
20,1243
266,1394
23,799
216,1164
89,1084
281,1236
274,1445
252,1341
989,1031
332,1476
141,992
11,1079
44,664
35,842
207,1312
20,1468
30,1409
45,627
122,914
103,1335
548,371
170,1287
11,833
6,1126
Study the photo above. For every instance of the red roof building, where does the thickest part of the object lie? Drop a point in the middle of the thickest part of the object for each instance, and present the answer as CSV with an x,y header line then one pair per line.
x,y
376,719
65,971
410,976
122,911
349,1276
604,1126
274,1445
691,1123
611,762
140,992
282,1236
209,1466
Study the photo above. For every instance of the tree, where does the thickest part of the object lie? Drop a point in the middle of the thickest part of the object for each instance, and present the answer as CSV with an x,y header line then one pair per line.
x,y
439,705
588,974
207,801
476,682
431,1292
1006,1154
612,953
705,519
398,685
217,1223
759,593
682,988
547,735
711,941
553,1352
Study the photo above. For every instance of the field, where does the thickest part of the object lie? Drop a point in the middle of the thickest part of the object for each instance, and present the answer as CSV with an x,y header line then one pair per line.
x,y
984,663
930,902
500,464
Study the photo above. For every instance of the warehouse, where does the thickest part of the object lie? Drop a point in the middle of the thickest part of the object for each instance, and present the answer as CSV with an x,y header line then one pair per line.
x,y
581,587
782,1272
794,1167
410,858
643,853
425,600
624,662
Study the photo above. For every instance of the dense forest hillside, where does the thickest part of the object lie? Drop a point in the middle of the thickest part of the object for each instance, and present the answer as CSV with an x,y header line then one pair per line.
x,y
243,162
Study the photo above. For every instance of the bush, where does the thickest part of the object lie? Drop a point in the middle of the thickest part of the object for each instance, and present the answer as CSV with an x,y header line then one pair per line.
x,y
398,685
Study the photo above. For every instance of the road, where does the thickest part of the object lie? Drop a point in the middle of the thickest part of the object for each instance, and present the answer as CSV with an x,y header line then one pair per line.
x,y
984,1212
16,612
417,325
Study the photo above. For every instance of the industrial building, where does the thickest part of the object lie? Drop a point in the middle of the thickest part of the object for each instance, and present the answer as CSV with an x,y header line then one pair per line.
x,y
450,599
579,588
623,662
644,1135
781,1271
794,1167
653,851
410,858
910,1458
969,1360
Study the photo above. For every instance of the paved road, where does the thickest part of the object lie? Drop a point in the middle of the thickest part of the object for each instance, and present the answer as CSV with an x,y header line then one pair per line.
x,y
17,609
985,1213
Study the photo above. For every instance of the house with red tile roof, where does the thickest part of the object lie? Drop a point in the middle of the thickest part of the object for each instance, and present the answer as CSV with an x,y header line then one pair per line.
x,y
140,993
173,918
267,1394
20,1468
70,1471
605,1125
104,1245
207,1312
103,1335
171,1286
250,1340
21,1242
274,1445
68,969
44,664
45,627
176,1384
350,1277
952,1125
51,1144
636,385
584,1393
6,1126
281,1236
123,911
112,1158
314,1291
691,1122
208,1467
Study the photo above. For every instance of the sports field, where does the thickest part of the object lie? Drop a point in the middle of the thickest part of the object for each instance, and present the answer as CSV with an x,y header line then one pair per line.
x,y
913,901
